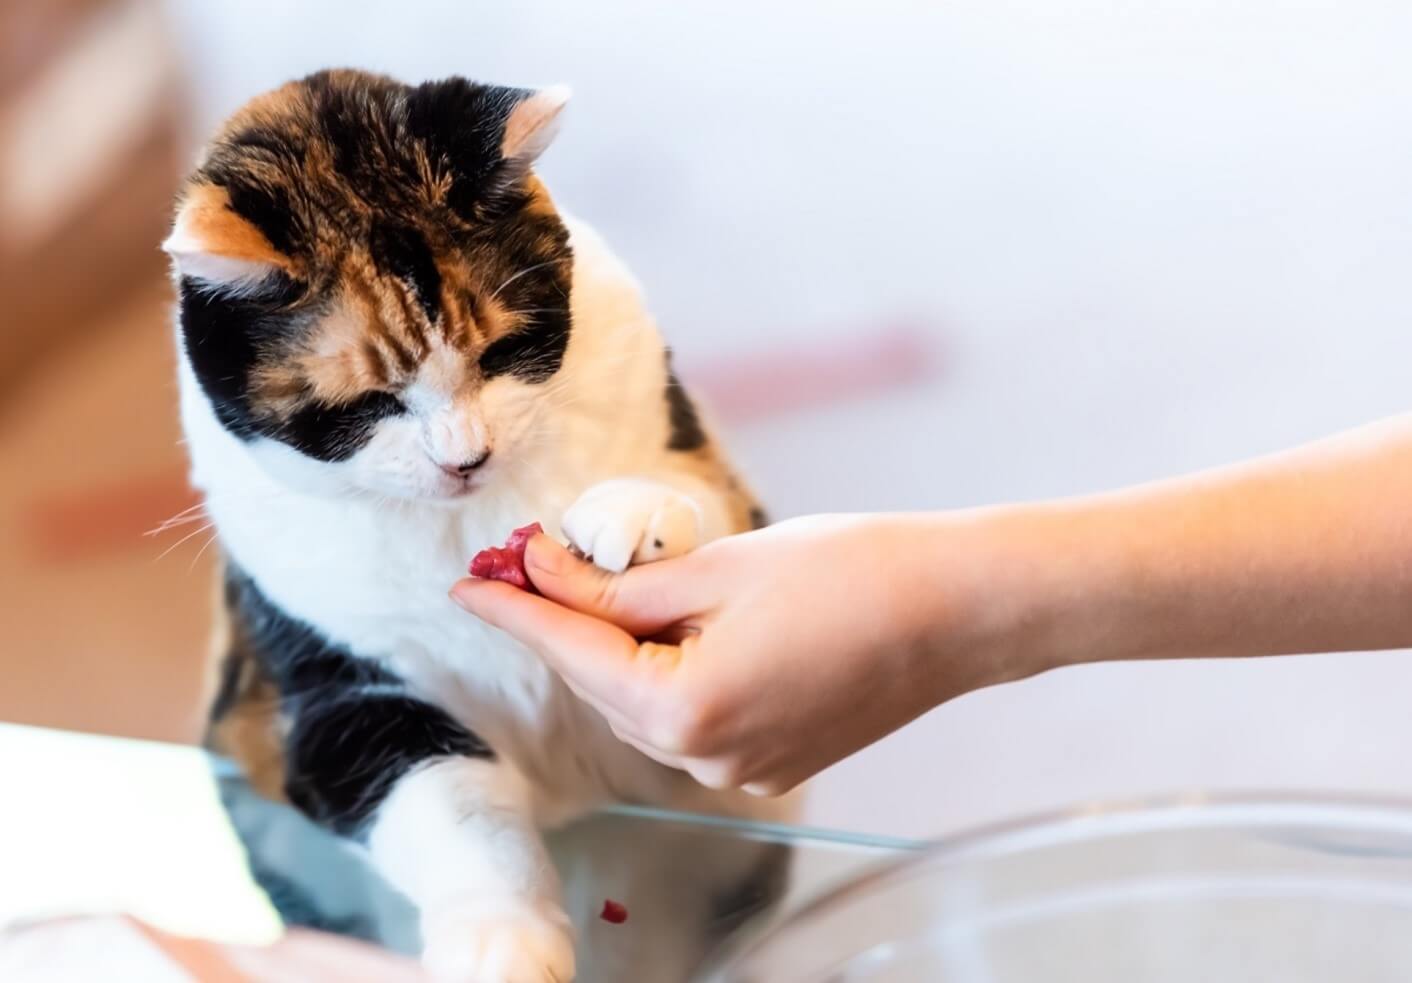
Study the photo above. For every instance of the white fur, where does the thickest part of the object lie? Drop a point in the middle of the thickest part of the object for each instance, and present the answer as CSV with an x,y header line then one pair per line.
x,y
457,836
365,550
627,520
190,258
225,273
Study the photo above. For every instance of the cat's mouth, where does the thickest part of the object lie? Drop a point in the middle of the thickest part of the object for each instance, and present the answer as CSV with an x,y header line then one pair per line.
x,y
457,488
454,483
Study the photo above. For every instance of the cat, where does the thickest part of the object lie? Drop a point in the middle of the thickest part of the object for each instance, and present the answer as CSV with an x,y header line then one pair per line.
x,y
395,348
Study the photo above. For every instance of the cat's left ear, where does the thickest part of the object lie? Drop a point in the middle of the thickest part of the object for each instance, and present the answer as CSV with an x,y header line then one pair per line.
x,y
212,243
532,123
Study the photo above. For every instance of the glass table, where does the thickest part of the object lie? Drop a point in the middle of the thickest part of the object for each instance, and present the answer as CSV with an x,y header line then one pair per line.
x,y
175,836
1221,888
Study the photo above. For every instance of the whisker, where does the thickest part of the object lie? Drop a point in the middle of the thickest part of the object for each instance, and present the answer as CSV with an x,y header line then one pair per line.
x,y
189,514
207,545
533,310
191,535
515,276
175,523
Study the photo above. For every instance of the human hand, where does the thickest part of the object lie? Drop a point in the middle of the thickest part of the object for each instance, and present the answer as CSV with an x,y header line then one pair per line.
x,y
760,659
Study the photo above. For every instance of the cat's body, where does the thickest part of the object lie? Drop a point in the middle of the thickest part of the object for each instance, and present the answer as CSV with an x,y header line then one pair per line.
x,y
395,351
372,573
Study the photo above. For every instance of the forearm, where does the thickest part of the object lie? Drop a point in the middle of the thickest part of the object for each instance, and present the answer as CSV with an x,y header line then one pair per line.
x,y
1306,551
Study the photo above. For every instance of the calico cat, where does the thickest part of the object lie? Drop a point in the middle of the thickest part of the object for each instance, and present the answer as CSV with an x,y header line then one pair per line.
x,y
394,350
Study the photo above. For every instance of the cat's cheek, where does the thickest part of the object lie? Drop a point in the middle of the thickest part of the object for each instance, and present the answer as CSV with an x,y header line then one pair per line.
x,y
297,471
395,462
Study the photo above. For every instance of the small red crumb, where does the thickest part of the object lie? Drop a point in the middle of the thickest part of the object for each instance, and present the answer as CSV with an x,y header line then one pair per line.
x,y
507,562
613,912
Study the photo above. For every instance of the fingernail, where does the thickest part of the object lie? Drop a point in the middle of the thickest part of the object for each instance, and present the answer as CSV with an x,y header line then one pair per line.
x,y
458,591
546,555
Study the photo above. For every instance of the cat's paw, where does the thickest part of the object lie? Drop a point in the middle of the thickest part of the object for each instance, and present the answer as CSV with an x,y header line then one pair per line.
x,y
504,943
632,520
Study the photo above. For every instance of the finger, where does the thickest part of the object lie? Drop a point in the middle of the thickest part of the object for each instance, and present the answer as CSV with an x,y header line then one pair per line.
x,y
642,601
609,667
595,656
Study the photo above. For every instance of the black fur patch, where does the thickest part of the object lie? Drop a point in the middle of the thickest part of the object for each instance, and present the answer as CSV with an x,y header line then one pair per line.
x,y
347,749
686,431
336,433
222,335
403,253
758,517
344,115
228,688
354,729
462,123
266,207
762,888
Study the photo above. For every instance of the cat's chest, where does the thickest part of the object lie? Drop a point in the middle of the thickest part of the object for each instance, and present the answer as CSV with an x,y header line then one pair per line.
x,y
375,580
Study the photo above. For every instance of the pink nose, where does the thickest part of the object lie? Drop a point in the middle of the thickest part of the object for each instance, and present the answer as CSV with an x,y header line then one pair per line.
x,y
465,468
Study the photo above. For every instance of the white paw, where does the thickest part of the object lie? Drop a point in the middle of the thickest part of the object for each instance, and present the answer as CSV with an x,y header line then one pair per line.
x,y
632,520
504,943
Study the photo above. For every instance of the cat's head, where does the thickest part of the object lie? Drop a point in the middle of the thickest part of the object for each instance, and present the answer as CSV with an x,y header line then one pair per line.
x,y
374,287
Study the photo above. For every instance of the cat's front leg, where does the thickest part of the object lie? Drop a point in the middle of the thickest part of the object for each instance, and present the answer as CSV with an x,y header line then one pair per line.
x,y
456,836
624,521
447,821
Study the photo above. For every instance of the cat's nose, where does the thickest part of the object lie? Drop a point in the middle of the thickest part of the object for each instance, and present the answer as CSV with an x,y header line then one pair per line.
x,y
464,468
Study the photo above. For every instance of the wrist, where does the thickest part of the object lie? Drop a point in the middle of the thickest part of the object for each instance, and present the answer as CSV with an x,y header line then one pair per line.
x,y
1024,588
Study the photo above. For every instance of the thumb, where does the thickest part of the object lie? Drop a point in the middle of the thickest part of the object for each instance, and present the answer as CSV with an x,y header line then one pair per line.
x,y
641,601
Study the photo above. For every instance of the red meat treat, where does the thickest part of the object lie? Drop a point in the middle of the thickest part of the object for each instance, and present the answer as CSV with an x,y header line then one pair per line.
x,y
613,912
507,562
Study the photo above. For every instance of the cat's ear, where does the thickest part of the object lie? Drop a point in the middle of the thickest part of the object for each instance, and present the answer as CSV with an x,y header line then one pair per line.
x,y
212,243
532,123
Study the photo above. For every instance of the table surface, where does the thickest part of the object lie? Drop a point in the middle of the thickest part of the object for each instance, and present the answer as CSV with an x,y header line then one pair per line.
x,y
174,836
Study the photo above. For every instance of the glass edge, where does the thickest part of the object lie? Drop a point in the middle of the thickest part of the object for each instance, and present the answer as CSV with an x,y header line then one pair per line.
x,y
1084,821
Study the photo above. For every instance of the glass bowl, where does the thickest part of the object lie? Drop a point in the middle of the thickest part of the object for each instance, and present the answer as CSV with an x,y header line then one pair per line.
x,y
1281,888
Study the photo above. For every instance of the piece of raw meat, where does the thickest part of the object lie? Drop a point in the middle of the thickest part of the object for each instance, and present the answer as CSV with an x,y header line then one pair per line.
x,y
507,562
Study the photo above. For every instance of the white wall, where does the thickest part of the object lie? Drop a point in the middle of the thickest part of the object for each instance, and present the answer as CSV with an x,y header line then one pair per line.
x,y
1147,237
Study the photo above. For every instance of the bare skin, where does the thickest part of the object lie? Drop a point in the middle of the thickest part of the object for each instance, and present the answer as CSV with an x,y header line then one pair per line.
x,y
762,659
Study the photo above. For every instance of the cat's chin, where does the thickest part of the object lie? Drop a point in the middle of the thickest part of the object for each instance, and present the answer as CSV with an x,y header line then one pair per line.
x,y
433,496
438,490
452,496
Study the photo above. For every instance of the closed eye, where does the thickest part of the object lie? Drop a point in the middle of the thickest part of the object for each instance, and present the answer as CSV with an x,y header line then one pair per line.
x,y
531,354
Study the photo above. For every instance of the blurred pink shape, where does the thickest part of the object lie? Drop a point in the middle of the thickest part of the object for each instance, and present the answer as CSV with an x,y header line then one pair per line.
x,y
118,947
749,388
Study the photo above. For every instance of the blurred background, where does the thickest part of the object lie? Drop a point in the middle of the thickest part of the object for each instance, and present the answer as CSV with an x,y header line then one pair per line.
x,y
1028,248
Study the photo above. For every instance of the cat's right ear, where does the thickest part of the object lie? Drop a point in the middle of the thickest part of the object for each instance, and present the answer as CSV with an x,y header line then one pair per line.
x,y
532,124
212,243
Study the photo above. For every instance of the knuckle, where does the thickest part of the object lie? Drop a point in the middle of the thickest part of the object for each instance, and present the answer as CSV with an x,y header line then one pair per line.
x,y
608,593
766,789
668,732
715,773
